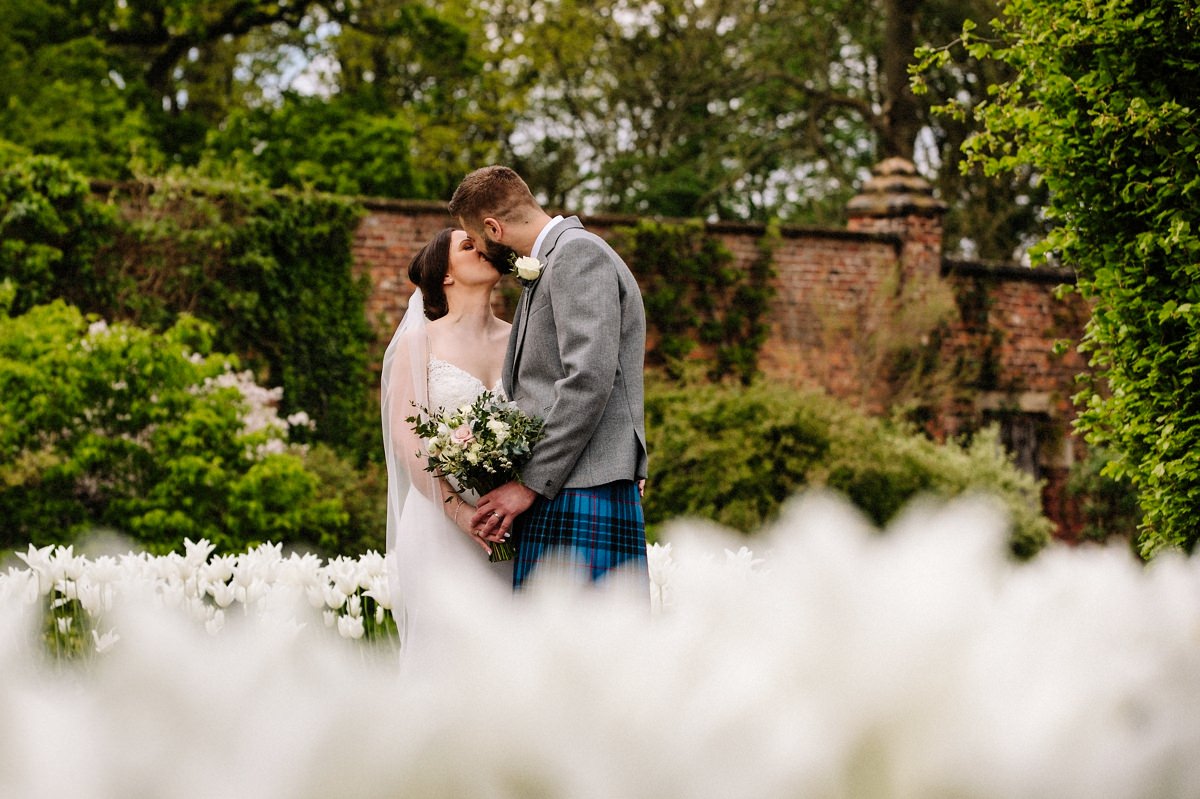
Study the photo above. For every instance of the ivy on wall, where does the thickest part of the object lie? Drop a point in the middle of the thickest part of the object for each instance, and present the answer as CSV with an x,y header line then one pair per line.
x,y
272,270
696,296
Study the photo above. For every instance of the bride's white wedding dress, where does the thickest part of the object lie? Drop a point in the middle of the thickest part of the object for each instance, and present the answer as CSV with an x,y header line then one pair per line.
x,y
427,552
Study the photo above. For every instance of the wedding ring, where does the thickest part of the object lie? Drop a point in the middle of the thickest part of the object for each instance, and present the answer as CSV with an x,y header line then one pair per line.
x,y
495,515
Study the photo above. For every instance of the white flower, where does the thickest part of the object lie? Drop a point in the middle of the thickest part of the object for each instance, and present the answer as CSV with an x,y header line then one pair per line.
x,y
528,268
105,642
499,429
315,595
350,626
334,597
300,419
222,594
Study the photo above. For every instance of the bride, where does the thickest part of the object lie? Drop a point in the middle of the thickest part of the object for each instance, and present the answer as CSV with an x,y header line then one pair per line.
x,y
448,349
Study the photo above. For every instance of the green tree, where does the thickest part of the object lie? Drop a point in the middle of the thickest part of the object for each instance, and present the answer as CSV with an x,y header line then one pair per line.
x,y
745,110
1103,102
65,97
682,108
133,88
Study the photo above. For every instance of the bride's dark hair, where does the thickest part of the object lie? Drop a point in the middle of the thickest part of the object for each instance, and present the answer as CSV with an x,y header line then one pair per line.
x,y
428,270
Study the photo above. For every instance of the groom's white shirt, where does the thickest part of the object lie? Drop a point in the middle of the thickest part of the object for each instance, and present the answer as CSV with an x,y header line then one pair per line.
x,y
537,243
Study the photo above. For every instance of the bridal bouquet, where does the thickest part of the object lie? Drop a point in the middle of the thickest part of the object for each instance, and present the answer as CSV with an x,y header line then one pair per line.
x,y
480,446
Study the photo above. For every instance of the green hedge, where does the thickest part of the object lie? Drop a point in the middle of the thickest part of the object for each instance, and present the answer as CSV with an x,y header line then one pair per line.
x,y
734,455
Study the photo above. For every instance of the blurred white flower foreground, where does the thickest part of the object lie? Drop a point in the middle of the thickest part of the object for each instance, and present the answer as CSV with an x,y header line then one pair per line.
x,y
829,663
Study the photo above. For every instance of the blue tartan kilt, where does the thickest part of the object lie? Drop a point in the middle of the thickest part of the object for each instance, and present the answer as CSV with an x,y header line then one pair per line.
x,y
592,531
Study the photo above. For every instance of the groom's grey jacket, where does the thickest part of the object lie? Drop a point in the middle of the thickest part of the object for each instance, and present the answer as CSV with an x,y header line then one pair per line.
x,y
575,358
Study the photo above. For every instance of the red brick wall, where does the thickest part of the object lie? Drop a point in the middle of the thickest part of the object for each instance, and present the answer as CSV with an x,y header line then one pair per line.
x,y
838,293
388,237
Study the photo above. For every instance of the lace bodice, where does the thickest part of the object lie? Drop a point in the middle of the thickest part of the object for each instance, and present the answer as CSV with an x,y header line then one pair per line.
x,y
451,387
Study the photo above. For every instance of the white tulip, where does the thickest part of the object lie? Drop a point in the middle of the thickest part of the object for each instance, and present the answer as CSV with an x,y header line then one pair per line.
x,y
335,598
222,594
105,642
350,626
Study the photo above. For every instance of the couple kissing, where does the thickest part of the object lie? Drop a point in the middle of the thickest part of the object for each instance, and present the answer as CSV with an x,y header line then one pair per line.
x,y
572,358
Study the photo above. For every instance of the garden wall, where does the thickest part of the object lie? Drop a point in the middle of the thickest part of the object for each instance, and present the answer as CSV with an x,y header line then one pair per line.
x,y
872,313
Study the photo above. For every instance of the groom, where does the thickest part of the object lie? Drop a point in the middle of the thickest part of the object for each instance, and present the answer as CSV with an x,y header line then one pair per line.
x,y
574,359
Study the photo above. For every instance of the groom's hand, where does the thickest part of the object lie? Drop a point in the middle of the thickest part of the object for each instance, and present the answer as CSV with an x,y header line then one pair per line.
x,y
497,509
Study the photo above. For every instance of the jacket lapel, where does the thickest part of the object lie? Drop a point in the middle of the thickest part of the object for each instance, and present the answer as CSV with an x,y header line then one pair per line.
x,y
521,320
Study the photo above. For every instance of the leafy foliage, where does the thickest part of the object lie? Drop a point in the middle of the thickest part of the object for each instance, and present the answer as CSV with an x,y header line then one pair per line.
x,y
680,108
273,251
51,231
233,254
126,89
327,145
1103,102
694,294
1109,507
736,455
149,434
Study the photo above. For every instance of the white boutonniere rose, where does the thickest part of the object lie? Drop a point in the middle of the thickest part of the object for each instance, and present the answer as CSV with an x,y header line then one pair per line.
x,y
528,268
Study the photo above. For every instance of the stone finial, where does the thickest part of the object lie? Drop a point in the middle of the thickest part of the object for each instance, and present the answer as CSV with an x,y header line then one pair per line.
x,y
895,189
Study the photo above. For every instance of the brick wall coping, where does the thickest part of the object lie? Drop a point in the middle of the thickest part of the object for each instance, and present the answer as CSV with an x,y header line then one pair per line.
x,y
758,229
1003,271
616,220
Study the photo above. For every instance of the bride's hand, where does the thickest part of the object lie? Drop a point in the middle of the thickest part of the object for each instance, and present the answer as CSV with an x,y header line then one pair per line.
x,y
462,519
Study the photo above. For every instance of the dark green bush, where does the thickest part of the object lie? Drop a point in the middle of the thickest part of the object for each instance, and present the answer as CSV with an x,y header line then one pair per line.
x,y
362,492
51,231
728,455
734,455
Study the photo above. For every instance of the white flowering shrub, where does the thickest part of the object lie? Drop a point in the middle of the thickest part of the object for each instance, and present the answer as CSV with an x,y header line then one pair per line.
x,y
153,435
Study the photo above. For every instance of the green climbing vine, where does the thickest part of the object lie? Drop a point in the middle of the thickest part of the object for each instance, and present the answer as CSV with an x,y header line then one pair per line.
x,y
700,306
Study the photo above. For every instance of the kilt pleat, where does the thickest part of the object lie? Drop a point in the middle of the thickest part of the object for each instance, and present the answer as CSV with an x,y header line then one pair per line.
x,y
592,531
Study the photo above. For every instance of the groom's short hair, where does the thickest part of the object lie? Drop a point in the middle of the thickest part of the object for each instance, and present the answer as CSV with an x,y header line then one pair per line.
x,y
495,191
